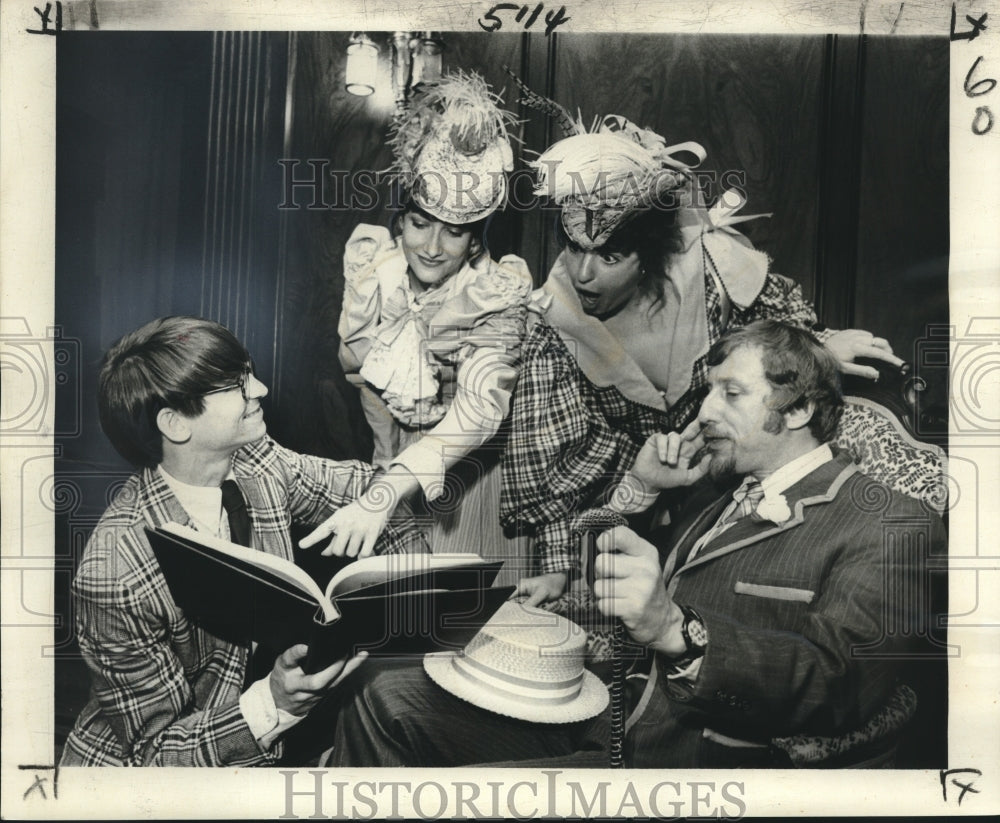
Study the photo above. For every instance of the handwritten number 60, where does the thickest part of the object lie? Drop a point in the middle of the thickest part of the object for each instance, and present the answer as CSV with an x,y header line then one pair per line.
x,y
982,122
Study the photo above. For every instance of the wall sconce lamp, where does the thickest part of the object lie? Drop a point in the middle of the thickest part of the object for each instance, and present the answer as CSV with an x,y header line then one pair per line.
x,y
361,72
426,50
416,58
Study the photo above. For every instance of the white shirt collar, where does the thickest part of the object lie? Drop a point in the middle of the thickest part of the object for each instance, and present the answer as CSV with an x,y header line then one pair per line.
x,y
795,470
202,503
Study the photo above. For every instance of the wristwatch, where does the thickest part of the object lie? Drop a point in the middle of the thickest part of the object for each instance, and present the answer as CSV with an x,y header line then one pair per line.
x,y
694,632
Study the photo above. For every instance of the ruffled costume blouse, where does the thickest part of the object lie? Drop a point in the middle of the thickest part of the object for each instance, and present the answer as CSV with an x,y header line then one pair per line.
x,y
583,407
442,363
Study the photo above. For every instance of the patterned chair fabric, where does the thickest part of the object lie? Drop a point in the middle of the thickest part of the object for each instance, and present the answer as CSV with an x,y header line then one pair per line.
x,y
809,751
881,445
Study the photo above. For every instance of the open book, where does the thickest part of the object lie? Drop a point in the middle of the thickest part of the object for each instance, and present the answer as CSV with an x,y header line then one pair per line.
x,y
393,604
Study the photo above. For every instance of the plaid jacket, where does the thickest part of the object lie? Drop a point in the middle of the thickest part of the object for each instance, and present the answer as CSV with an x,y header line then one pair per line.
x,y
164,691
571,440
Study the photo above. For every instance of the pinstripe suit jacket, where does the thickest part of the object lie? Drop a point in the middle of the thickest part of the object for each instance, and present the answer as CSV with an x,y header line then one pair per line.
x,y
164,691
807,620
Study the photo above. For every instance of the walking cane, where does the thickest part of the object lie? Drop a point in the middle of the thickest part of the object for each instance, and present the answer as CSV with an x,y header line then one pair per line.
x,y
589,525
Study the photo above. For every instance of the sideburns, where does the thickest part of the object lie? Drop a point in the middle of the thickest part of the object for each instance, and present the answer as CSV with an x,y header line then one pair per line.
x,y
774,423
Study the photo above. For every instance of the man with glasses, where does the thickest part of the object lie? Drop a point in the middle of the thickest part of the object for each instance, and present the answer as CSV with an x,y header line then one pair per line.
x,y
179,400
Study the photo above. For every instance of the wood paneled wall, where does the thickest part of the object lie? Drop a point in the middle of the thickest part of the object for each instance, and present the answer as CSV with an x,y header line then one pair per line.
x,y
171,197
842,139
348,135
176,150
900,283
752,102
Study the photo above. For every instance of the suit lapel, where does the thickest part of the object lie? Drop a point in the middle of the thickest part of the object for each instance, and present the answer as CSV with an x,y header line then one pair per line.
x,y
260,491
161,506
702,523
817,488
257,496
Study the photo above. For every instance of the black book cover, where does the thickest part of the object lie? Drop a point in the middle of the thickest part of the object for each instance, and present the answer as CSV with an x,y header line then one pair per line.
x,y
239,601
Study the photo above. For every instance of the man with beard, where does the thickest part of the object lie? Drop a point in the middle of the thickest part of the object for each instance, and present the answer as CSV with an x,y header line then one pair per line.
x,y
774,630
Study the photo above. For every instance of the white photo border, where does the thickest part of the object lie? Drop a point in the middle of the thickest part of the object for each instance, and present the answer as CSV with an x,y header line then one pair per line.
x,y
32,789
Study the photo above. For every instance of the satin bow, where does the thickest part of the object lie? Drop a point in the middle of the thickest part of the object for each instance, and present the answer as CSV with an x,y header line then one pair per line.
x,y
723,213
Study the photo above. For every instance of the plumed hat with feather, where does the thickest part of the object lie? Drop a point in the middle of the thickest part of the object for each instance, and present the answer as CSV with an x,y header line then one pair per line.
x,y
452,149
603,177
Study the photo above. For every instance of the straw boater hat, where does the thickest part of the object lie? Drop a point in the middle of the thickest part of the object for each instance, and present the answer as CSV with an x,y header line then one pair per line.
x,y
525,663
607,175
452,149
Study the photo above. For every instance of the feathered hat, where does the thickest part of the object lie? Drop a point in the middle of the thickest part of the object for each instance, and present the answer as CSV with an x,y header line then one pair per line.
x,y
603,177
452,149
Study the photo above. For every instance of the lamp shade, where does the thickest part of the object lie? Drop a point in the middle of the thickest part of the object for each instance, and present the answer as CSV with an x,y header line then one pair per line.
x,y
362,66
426,58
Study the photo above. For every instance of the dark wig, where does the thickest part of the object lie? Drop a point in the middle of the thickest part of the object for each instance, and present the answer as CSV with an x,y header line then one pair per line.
x,y
654,234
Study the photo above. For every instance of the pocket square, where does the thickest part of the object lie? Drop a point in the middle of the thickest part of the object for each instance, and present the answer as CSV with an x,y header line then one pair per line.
x,y
775,592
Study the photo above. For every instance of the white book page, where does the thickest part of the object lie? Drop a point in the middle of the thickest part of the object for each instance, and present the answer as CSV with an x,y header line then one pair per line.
x,y
376,569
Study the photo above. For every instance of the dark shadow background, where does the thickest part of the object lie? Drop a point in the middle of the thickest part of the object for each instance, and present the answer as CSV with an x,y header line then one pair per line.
x,y
170,199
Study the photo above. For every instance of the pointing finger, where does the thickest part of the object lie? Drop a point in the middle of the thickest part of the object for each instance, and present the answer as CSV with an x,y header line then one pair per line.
x,y
323,530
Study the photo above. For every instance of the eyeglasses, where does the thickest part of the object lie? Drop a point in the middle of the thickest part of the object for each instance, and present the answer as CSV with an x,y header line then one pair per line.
x,y
241,384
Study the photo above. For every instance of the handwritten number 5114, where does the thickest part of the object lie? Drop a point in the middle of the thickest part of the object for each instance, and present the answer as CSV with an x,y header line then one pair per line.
x,y
552,18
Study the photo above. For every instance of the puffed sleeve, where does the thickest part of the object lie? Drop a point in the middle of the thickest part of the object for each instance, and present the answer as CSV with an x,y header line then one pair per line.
x,y
562,453
492,308
485,381
755,291
363,296
488,311
780,299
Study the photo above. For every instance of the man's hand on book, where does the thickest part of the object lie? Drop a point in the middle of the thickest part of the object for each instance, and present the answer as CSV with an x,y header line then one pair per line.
x,y
296,692
355,529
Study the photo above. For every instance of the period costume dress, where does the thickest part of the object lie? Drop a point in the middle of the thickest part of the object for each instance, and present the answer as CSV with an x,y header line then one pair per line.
x,y
436,372
436,368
